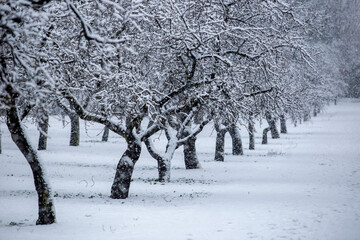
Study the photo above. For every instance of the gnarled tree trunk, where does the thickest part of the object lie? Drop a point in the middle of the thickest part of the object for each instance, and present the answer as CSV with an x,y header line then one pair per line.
x,y
283,128
251,136
124,170
75,130
43,126
220,145
237,148
272,124
45,201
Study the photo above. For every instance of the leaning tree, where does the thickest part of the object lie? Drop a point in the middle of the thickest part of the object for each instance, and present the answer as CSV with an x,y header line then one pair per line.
x,y
26,85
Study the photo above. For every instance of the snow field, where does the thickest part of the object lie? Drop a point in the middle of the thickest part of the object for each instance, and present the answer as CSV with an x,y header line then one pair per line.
x,y
305,185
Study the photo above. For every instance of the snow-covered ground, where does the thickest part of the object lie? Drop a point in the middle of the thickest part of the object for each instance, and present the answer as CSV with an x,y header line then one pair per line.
x,y
305,185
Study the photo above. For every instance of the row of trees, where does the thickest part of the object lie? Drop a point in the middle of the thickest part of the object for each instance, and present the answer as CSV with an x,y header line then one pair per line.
x,y
140,67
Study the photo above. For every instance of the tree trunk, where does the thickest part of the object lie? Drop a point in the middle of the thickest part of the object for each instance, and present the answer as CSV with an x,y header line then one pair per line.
x,y
265,138
283,128
43,126
105,136
190,157
63,119
163,163
124,170
45,201
307,116
272,124
237,148
164,170
316,111
251,136
220,145
75,130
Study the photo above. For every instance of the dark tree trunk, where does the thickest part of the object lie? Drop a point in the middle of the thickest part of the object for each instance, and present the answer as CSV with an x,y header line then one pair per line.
x,y
237,148
272,124
75,130
316,111
45,201
307,116
124,170
105,136
335,101
44,126
265,138
251,136
220,145
164,170
190,157
283,128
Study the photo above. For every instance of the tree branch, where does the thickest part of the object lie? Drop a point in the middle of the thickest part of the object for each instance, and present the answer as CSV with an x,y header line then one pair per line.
x,y
85,115
88,30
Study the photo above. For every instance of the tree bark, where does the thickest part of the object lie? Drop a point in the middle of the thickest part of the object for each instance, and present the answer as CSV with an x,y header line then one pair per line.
x,y
190,157
75,130
283,128
124,170
43,126
251,136
164,170
220,145
237,148
45,201
105,136
163,163
265,138
272,124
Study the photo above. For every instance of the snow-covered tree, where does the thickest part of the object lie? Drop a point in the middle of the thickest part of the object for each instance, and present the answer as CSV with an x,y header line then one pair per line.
x,y
26,85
